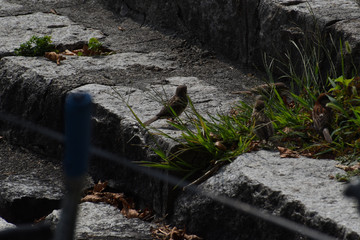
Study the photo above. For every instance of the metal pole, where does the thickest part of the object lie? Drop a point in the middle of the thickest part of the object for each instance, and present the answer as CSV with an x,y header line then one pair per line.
x,y
353,190
77,145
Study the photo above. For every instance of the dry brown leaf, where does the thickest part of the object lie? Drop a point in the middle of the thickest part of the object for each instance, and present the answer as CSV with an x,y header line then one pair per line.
x,y
349,168
192,237
53,56
130,213
53,11
76,51
100,186
309,155
287,153
70,53
145,214
92,198
165,232
97,195
114,199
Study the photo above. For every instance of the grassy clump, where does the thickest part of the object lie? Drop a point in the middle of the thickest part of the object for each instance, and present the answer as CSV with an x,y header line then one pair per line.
x,y
221,138
36,46
206,142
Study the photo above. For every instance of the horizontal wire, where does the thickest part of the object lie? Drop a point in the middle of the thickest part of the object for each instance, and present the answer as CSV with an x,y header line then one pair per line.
x,y
244,207
60,137
236,204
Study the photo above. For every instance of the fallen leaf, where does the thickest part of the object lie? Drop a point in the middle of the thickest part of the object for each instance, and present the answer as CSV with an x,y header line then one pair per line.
x,y
114,199
68,52
100,186
77,51
287,153
53,56
145,214
118,200
165,232
349,168
130,213
92,198
53,11
191,237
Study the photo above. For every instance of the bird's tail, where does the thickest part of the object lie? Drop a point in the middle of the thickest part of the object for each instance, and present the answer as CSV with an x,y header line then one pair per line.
x,y
150,121
327,135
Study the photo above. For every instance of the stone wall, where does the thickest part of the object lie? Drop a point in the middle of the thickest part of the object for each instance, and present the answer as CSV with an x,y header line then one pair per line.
x,y
243,30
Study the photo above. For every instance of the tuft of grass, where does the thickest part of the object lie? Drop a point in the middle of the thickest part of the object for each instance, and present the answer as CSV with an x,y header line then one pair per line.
x,y
208,140
205,142
36,46
293,123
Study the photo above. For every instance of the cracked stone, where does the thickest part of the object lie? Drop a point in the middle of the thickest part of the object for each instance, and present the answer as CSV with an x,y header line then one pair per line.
x,y
19,29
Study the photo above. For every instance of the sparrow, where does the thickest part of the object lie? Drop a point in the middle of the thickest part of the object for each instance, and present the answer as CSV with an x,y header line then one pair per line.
x,y
176,104
263,127
321,116
265,89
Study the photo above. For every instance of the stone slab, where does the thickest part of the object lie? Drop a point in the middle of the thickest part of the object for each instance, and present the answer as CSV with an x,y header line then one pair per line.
x,y
299,189
145,102
73,65
39,91
19,29
113,118
103,221
5,225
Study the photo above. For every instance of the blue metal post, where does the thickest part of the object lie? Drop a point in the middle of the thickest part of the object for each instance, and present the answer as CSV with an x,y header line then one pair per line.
x,y
77,145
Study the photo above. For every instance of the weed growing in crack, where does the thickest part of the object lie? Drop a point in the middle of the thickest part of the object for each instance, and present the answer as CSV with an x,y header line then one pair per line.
x,y
36,46
204,143
209,141
293,121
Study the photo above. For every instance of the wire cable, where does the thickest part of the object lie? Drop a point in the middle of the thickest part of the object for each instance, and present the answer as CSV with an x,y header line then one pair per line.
x,y
236,204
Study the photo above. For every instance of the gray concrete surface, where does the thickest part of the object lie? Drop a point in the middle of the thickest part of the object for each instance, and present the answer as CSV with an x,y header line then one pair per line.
x,y
102,221
149,57
295,188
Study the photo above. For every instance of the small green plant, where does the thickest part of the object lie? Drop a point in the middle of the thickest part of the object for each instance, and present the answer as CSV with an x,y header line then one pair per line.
x,y
222,137
206,142
347,176
293,121
36,46
94,45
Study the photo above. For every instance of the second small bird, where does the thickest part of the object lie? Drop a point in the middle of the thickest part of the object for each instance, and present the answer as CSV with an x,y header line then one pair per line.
x,y
322,116
263,127
176,104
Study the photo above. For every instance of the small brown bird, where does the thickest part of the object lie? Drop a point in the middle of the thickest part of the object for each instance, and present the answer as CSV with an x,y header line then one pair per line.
x,y
265,89
176,104
321,116
263,126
